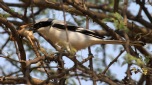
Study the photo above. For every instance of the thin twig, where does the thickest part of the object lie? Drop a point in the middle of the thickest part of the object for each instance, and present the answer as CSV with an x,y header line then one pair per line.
x,y
112,62
142,5
32,12
116,5
86,59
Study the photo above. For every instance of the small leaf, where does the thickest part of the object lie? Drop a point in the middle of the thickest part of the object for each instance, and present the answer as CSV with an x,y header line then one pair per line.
x,y
145,71
118,16
108,19
139,62
123,63
132,59
118,21
146,60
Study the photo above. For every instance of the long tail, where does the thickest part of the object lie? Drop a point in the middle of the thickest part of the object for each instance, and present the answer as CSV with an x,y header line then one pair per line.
x,y
133,43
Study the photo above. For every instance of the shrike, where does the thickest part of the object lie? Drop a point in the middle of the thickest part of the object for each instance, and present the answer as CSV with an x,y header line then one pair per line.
x,y
76,37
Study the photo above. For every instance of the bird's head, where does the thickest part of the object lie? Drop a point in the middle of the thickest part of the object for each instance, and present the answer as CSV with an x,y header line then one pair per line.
x,y
41,23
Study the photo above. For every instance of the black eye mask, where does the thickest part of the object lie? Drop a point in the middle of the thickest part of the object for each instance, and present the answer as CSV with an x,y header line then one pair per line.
x,y
38,25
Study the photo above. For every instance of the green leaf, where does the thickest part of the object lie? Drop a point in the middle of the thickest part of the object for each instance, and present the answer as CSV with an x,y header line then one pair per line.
x,y
146,60
145,71
117,16
108,19
4,15
117,20
12,10
132,59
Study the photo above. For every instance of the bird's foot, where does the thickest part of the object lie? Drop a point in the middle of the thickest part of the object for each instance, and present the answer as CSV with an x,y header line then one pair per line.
x,y
67,48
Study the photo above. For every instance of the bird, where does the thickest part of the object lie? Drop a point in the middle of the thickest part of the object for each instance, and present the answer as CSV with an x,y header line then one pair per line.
x,y
61,34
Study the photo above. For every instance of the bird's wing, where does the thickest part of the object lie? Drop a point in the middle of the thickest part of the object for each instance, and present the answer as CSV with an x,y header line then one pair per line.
x,y
89,32
77,29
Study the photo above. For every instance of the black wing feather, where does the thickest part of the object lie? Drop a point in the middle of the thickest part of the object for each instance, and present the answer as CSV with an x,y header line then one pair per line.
x,y
59,26
78,29
90,33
